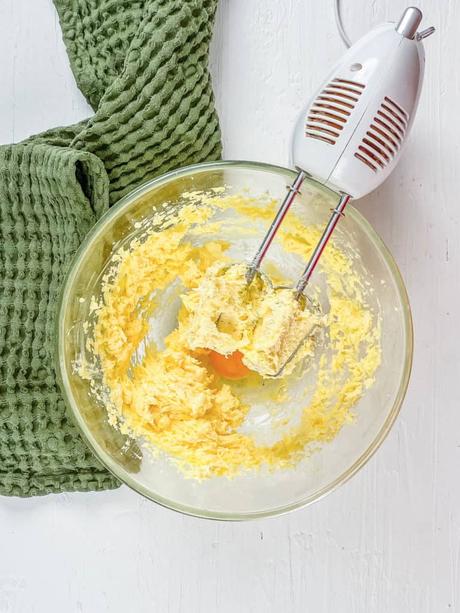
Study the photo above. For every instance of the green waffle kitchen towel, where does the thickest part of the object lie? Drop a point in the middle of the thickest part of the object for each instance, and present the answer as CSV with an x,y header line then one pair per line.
x,y
142,65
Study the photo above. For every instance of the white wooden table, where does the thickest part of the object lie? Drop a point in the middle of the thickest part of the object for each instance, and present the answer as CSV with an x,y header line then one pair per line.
x,y
389,540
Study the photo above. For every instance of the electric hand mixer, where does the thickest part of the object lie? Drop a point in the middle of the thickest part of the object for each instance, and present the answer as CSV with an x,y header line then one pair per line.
x,y
351,133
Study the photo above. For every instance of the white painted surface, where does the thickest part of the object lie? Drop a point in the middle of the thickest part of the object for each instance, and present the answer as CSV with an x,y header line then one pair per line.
x,y
389,540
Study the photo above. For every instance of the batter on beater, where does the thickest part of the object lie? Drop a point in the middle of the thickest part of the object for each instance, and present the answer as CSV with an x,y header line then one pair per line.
x,y
263,323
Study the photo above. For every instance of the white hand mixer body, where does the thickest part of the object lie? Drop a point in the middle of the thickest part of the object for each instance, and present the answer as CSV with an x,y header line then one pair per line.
x,y
351,134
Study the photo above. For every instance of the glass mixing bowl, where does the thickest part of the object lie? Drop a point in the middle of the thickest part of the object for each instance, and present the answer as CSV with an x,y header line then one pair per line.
x,y
253,494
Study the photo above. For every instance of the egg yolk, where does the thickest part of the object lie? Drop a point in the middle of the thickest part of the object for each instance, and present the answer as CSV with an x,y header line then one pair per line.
x,y
231,366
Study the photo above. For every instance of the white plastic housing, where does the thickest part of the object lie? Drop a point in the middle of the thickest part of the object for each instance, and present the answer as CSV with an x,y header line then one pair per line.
x,y
351,134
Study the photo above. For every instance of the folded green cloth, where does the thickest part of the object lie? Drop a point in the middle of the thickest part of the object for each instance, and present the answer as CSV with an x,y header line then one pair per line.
x,y
142,65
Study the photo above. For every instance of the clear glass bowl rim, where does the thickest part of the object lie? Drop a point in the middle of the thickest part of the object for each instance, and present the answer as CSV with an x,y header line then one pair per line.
x,y
106,460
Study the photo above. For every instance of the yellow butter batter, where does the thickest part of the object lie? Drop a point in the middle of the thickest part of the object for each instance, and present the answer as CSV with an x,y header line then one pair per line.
x,y
170,396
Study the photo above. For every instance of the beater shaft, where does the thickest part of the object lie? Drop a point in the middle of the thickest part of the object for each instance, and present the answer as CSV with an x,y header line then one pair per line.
x,y
328,230
293,190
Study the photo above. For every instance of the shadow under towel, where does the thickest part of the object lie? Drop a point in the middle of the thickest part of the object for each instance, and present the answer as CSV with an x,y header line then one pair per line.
x,y
143,66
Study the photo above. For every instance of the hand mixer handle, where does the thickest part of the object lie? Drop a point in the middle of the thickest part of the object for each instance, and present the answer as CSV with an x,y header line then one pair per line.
x,y
352,131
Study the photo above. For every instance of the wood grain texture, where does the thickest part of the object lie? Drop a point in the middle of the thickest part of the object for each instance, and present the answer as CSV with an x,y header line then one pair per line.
x,y
389,540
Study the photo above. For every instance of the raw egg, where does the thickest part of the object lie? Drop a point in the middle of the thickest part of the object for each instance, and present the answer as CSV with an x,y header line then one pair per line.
x,y
229,366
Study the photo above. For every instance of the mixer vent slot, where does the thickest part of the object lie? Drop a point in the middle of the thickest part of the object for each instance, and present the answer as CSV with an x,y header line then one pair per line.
x,y
331,109
384,137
